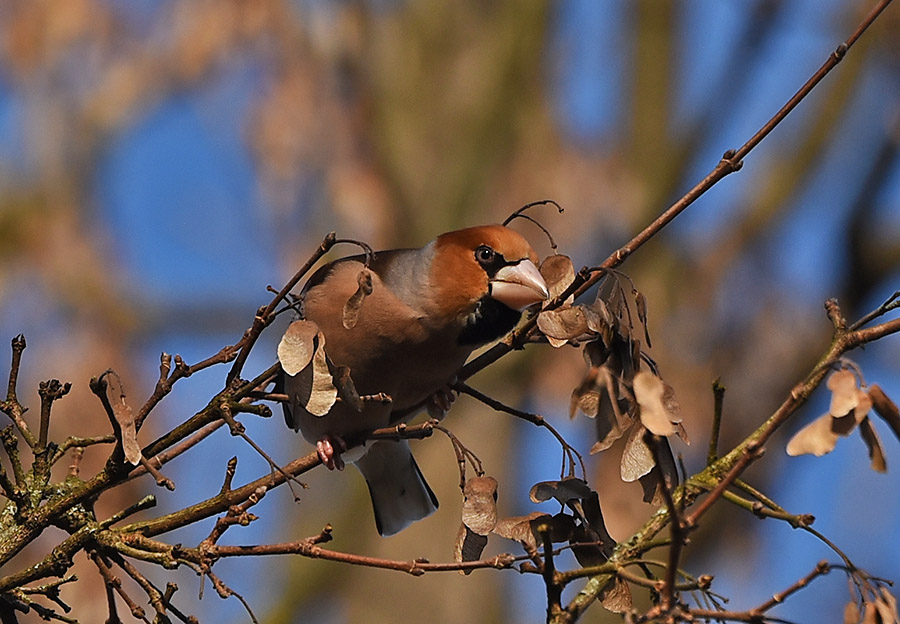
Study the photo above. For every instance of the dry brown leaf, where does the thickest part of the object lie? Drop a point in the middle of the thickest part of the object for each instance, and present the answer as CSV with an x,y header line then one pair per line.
x,y
637,458
297,346
601,319
885,408
115,393
583,389
640,303
588,403
346,389
596,544
844,393
613,419
617,597
873,443
844,425
564,490
520,528
851,613
322,392
562,324
351,309
469,546
558,274
596,353
849,404
674,410
649,391
870,615
888,609
479,510
596,322
816,438
661,476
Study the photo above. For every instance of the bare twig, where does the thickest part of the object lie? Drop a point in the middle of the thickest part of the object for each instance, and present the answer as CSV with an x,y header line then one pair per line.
x,y
237,429
264,315
821,569
49,391
718,400
114,584
160,459
892,303
11,406
571,456
463,454
678,525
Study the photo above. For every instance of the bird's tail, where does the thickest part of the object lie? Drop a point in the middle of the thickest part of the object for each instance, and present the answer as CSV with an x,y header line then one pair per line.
x,y
400,495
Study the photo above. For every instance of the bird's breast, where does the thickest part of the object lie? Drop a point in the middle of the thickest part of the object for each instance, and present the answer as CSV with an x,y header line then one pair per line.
x,y
393,348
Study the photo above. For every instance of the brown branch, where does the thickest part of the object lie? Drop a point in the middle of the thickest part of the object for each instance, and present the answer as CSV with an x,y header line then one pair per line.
x,y
718,402
161,479
167,379
114,584
11,445
220,503
18,346
237,429
548,572
154,595
463,454
79,442
160,459
758,509
750,453
11,406
49,391
821,569
679,527
310,548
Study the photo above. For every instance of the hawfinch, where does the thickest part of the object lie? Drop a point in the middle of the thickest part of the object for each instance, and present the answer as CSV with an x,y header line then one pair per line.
x,y
428,309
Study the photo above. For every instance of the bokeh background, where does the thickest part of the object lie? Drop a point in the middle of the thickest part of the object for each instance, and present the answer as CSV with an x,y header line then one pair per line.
x,y
161,162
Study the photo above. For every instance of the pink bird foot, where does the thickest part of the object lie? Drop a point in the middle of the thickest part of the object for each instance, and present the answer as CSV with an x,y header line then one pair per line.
x,y
329,449
440,402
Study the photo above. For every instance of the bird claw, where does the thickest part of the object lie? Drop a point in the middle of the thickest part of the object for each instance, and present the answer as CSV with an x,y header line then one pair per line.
x,y
329,450
440,402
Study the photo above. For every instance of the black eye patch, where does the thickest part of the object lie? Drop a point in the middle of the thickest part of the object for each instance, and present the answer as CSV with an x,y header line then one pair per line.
x,y
490,260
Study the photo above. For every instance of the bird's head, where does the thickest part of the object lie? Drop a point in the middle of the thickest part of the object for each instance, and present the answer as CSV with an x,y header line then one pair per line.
x,y
486,276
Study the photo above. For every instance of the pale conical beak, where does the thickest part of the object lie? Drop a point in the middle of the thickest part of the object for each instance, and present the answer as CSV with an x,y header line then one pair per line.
x,y
519,285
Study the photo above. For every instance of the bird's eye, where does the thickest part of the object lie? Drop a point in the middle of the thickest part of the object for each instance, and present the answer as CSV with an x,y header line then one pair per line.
x,y
484,254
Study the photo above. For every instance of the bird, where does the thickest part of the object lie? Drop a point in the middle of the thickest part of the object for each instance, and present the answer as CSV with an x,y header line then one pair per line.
x,y
429,308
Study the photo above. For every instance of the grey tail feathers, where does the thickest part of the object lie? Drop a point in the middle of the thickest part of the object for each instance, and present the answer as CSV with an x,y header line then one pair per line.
x,y
400,494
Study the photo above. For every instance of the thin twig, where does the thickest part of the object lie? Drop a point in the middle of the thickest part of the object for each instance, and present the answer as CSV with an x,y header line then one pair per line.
x,y
570,454
892,303
264,316
718,400
821,569
679,528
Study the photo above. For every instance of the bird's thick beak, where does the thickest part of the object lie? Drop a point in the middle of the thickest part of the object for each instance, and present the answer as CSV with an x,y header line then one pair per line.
x,y
519,285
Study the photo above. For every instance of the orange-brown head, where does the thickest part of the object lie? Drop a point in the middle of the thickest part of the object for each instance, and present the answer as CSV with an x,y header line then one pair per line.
x,y
484,276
